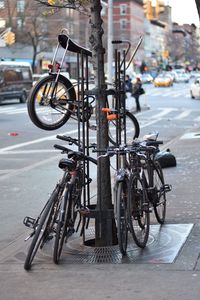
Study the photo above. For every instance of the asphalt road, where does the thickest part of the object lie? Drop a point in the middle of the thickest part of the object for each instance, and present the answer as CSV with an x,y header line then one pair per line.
x,y
28,162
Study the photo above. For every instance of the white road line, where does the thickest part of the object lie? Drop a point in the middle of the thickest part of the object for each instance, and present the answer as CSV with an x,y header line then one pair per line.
x,y
18,111
35,141
176,95
7,109
184,114
27,168
164,112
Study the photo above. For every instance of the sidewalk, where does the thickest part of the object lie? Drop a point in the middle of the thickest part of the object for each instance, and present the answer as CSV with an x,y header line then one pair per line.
x,y
139,277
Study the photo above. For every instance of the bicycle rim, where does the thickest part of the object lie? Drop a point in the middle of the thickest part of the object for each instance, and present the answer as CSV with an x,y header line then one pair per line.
x,y
122,226
62,226
160,194
49,104
43,230
138,212
132,129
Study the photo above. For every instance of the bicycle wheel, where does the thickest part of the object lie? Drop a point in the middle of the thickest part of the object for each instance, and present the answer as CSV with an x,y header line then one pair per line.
x,y
62,228
49,104
159,200
138,211
132,129
43,230
122,223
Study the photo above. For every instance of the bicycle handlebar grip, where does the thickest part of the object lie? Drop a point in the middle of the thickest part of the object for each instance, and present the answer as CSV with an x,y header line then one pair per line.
x,y
61,148
117,42
63,137
154,143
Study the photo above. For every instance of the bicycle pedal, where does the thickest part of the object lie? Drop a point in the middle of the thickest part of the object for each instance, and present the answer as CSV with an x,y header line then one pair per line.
x,y
167,188
29,222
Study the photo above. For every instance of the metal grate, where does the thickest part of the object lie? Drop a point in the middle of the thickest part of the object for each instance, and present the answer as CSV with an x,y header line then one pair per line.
x,y
163,246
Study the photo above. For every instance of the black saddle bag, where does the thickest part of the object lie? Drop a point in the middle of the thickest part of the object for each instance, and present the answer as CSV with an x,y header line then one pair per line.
x,y
166,158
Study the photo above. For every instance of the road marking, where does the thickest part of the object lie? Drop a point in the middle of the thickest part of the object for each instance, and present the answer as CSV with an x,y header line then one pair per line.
x,y
28,168
184,114
164,112
35,141
176,95
18,111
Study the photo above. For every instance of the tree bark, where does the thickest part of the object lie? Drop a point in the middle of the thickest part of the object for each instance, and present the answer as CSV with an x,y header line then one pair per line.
x,y
104,225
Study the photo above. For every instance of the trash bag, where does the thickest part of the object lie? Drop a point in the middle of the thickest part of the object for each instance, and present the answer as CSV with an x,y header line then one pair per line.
x,y
166,158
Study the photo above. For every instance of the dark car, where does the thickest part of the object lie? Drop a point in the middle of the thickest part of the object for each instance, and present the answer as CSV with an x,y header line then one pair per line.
x,y
15,80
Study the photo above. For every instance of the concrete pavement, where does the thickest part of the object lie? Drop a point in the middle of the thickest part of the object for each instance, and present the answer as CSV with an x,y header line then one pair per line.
x,y
135,278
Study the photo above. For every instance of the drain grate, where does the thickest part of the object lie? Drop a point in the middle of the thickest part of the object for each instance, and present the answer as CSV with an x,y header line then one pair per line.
x,y
163,246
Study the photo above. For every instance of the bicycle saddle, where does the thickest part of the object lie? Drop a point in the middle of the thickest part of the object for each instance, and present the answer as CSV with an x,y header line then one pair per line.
x,y
66,163
64,40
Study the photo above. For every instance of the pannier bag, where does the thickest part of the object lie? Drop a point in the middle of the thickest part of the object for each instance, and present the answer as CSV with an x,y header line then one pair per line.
x,y
165,158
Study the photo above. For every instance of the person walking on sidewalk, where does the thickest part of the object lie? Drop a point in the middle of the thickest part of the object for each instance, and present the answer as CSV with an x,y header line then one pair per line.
x,y
128,84
137,91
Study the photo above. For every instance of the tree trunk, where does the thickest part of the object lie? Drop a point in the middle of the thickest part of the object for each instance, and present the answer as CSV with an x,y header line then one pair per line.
x,y
104,225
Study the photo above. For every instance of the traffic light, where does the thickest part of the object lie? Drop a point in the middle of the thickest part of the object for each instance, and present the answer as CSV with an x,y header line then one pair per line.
x,y
51,2
9,38
160,7
148,9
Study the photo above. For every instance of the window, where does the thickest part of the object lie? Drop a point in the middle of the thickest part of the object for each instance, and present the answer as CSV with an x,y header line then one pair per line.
x,y
20,6
123,24
2,23
19,23
2,4
123,9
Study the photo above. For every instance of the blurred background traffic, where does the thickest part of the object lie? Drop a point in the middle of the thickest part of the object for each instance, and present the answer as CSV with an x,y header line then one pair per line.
x,y
170,53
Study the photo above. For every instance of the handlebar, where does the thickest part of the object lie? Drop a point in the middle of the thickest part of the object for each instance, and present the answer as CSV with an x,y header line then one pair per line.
x,y
67,150
127,50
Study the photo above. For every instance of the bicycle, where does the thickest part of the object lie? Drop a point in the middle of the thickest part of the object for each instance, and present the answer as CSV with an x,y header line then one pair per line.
x,y
157,188
53,99
58,216
120,193
146,189
71,197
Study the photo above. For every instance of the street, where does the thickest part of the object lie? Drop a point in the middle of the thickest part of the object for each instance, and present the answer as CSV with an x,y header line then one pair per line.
x,y
29,162
29,172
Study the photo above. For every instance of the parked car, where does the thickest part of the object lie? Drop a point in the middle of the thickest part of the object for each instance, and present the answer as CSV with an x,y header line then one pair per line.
x,y
195,89
163,80
15,80
182,77
146,78
195,74
37,77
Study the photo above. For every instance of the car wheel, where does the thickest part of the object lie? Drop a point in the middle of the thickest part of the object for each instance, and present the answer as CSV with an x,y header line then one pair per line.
x,y
192,96
23,97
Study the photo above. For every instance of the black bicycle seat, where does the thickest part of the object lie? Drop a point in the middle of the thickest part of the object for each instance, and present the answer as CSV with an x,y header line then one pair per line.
x,y
64,40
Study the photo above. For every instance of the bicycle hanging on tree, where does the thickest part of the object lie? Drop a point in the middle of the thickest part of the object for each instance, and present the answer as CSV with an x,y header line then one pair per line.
x,y
54,99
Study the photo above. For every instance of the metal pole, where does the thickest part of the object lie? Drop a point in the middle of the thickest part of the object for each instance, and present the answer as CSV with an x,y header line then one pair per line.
x,y
110,38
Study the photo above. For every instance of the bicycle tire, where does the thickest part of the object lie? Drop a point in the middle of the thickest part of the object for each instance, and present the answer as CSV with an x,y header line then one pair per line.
x,y
122,222
138,211
43,229
159,203
132,132
49,116
62,224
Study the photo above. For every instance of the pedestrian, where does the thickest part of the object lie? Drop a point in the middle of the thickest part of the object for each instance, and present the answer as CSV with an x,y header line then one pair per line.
x,y
137,91
128,90
128,84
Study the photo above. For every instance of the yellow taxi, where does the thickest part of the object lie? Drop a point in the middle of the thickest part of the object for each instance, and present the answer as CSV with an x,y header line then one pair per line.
x,y
163,80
